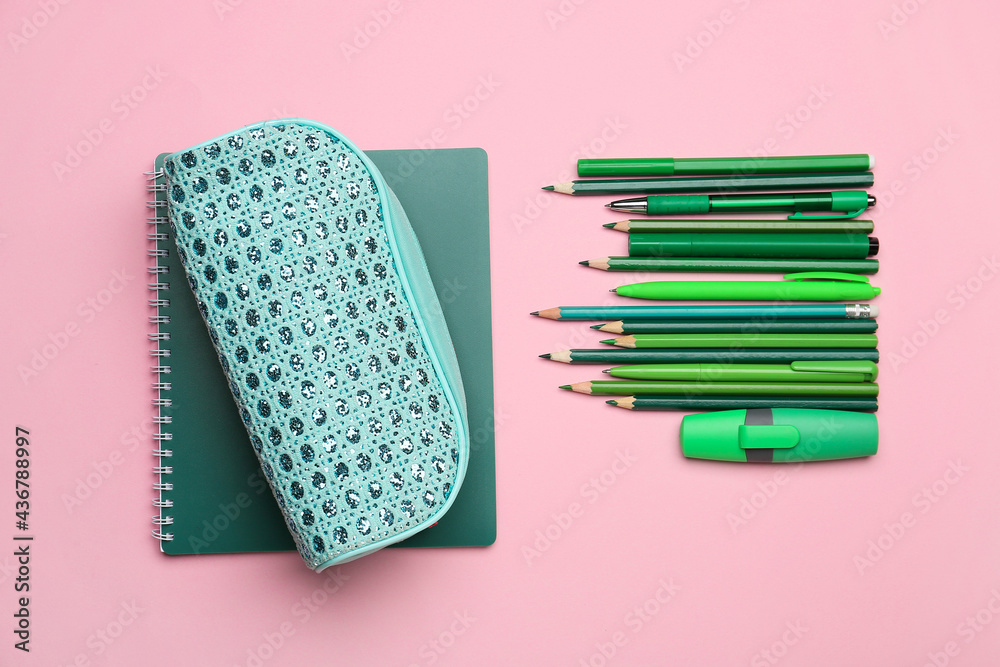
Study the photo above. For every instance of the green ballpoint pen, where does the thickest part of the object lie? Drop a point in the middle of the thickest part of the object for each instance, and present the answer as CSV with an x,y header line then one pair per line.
x,y
809,286
841,204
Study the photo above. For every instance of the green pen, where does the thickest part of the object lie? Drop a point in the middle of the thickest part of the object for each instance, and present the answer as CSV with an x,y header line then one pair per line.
x,y
841,204
772,164
638,388
744,340
797,371
808,286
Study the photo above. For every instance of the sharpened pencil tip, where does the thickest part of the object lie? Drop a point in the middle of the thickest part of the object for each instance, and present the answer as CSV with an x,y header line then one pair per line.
x,y
596,326
585,262
566,386
535,312
547,355
549,187
612,402
609,225
610,341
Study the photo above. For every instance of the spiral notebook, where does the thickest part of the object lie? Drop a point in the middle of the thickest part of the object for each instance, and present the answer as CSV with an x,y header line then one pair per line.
x,y
211,494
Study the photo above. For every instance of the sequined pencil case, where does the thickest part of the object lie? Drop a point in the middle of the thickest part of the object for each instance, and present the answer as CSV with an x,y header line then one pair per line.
x,y
324,317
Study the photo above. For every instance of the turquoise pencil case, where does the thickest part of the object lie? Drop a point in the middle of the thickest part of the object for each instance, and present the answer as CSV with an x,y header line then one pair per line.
x,y
320,306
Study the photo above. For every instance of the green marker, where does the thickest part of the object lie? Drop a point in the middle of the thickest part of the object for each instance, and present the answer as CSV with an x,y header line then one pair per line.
x,y
745,340
779,435
667,166
808,286
804,245
639,387
797,371
845,203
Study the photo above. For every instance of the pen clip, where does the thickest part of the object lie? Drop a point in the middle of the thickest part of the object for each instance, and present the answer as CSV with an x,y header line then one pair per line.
x,y
826,275
767,436
799,215
867,368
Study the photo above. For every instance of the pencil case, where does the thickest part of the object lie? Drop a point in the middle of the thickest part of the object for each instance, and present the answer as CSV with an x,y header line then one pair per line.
x,y
322,311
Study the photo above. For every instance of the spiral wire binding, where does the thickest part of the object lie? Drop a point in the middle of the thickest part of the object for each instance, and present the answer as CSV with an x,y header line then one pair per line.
x,y
159,354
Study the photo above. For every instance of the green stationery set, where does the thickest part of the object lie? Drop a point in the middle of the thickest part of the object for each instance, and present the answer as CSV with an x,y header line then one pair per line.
x,y
789,381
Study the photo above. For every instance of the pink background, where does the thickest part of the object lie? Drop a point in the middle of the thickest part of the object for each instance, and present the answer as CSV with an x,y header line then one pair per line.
x,y
650,567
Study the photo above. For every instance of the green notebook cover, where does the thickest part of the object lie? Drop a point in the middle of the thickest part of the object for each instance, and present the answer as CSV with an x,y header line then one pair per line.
x,y
214,497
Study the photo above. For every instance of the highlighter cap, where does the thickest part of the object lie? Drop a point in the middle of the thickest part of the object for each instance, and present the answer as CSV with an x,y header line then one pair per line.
x,y
779,435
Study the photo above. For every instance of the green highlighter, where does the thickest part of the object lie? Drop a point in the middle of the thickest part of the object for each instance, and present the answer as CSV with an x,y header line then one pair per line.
x,y
807,286
779,435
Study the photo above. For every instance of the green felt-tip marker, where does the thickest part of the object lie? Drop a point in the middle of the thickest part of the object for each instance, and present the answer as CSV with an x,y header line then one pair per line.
x,y
838,205
797,371
667,166
640,387
805,245
808,286
789,435
744,340
621,186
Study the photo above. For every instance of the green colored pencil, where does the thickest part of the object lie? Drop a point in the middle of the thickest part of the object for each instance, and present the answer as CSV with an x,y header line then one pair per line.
x,y
666,388
643,403
680,184
732,264
617,356
763,226
738,326
742,340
